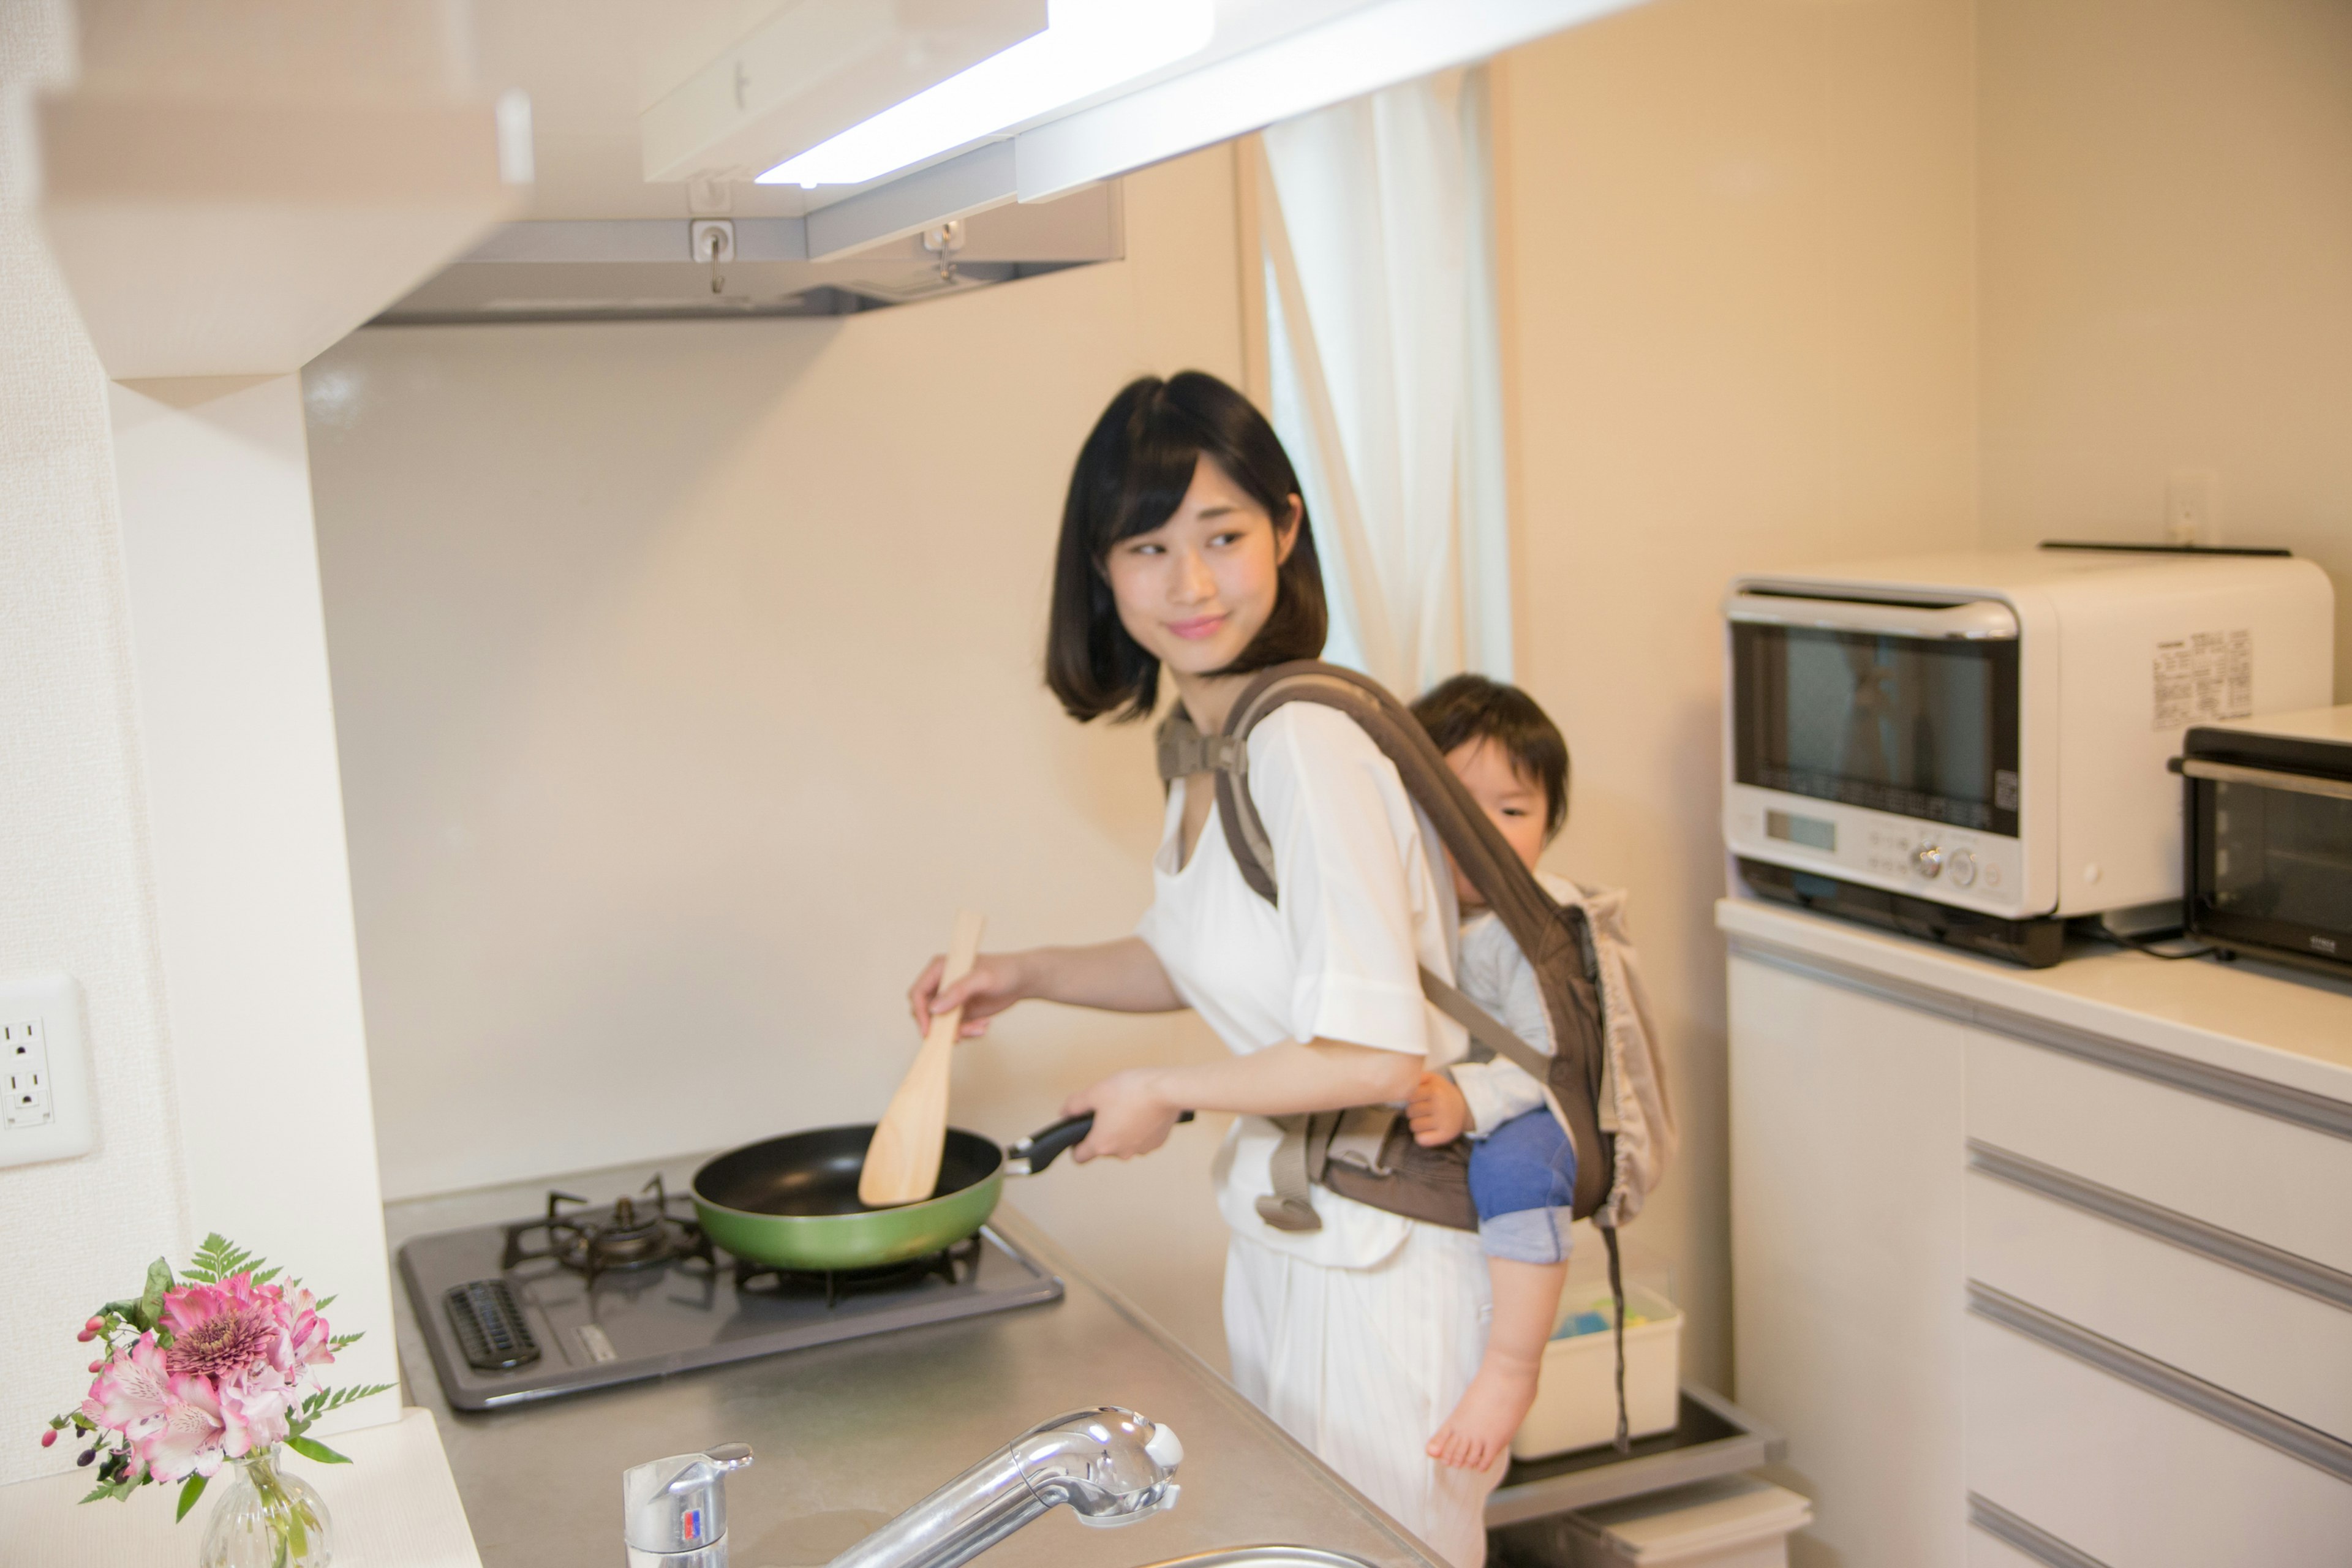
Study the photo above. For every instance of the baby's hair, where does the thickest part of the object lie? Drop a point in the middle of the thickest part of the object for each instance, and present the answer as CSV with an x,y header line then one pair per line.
x,y
1470,708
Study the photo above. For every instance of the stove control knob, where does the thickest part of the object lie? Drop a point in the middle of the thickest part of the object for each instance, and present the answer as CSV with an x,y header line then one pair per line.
x,y
1962,865
1927,861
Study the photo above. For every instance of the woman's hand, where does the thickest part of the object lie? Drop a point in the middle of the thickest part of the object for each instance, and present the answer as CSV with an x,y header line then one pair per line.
x,y
1436,1111
1132,1116
996,981
1120,976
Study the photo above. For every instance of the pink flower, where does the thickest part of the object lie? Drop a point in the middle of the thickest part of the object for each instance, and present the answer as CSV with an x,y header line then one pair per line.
x,y
307,1340
253,1409
189,1439
219,1329
133,1391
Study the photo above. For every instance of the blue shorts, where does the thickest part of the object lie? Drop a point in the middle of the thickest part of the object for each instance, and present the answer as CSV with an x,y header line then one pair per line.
x,y
1523,1179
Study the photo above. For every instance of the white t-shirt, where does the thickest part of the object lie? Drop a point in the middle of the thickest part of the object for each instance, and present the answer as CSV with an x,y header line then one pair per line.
x,y
1361,911
1496,976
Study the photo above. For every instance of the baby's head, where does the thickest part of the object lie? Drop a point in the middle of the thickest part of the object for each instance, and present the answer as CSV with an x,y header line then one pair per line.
x,y
1510,754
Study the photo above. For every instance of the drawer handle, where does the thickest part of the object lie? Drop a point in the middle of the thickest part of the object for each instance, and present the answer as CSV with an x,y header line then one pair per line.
x,y
2266,778
2027,1536
2226,1246
2218,1404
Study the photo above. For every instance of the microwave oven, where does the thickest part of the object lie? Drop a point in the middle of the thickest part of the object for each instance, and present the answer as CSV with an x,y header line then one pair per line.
x,y
1975,748
2269,804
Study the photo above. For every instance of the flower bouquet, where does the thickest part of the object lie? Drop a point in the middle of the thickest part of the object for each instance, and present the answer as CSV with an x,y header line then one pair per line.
x,y
216,1368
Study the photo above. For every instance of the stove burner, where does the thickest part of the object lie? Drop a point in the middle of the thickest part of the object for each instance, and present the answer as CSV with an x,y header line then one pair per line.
x,y
625,1236
952,1264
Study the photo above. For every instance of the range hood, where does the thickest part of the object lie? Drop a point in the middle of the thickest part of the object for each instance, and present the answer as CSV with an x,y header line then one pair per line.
x,y
660,268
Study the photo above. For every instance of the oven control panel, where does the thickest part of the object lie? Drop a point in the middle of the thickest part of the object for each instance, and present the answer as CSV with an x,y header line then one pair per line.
x,y
1972,869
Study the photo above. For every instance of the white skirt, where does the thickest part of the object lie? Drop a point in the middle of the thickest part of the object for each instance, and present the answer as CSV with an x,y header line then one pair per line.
x,y
1363,1365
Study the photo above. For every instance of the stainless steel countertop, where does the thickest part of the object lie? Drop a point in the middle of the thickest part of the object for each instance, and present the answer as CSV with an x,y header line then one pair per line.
x,y
847,1435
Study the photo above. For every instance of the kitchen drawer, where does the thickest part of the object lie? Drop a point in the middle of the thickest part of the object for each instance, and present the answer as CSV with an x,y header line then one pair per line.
x,y
2276,1181
2247,1332
2132,1479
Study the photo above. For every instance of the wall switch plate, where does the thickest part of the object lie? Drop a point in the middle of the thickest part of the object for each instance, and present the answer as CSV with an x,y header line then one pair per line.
x,y
44,1070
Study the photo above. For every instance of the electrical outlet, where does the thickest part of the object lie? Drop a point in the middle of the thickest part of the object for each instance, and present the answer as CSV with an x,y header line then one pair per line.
x,y
24,1063
44,1070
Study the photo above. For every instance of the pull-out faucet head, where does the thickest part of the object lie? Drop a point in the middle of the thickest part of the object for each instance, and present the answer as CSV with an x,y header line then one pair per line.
x,y
1110,1465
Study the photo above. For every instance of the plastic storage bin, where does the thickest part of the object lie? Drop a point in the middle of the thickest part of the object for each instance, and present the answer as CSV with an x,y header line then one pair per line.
x,y
1576,1401
1734,1522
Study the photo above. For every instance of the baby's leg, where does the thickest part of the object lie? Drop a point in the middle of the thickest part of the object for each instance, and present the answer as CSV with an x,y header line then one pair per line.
x,y
1526,1299
1523,1179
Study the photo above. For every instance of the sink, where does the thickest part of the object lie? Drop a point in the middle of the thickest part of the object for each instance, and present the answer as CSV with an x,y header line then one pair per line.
x,y
1266,1557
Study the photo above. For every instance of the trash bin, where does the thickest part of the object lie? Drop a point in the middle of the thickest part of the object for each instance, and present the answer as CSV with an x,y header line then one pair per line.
x,y
1732,1521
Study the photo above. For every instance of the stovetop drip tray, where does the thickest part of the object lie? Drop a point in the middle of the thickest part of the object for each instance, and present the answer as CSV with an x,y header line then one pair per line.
x,y
694,1307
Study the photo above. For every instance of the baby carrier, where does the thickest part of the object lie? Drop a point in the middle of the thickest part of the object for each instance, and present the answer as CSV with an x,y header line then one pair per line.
x,y
1601,1080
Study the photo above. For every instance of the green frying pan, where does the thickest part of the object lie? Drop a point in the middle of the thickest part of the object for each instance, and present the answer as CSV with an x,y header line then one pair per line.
x,y
792,1202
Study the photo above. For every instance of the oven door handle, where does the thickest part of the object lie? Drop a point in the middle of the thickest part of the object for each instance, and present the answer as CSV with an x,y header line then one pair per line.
x,y
1979,620
2265,778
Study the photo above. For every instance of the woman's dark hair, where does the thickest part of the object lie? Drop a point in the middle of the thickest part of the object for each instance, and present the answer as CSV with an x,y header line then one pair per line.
x,y
1130,476
1471,708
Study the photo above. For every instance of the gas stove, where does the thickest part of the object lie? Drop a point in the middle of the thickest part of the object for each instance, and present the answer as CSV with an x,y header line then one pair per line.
x,y
590,1295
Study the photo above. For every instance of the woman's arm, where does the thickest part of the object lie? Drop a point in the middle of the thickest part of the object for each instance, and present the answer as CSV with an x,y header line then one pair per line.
x,y
1135,1109
1122,976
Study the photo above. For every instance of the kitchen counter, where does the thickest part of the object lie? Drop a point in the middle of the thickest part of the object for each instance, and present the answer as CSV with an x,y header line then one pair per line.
x,y
847,1435
2242,1023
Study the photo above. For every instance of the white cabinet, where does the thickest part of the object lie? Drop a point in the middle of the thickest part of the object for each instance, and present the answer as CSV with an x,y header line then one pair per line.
x,y
2025,1282
1849,1173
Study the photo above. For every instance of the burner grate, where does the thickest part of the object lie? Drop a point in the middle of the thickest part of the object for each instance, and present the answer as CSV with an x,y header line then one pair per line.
x,y
955,1264
626,1235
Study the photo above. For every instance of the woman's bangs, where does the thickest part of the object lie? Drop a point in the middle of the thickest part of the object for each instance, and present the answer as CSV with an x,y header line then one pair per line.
x,y
1158,473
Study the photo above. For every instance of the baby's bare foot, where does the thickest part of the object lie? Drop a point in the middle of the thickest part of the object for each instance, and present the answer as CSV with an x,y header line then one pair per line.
x,y
1482,1426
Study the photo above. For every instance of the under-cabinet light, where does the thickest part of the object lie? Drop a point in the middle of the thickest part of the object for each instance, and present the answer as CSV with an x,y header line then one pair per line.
x,y
1088,47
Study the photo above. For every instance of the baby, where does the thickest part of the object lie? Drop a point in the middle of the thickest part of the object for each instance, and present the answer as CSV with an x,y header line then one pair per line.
x,y
1522,1167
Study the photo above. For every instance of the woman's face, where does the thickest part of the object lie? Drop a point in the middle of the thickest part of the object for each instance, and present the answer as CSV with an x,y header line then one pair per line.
x,y
1196,590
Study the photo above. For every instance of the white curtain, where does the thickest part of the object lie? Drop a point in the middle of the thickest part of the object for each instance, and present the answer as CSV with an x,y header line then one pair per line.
x,y
1377,222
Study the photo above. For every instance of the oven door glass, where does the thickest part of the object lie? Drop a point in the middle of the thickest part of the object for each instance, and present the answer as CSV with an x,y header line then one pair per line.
x,y
1924,728
2274,866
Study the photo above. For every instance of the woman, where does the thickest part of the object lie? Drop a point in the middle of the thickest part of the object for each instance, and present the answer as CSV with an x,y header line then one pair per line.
x,y
1185,548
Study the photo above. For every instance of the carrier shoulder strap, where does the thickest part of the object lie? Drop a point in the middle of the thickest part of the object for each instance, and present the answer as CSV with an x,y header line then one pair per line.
x,y
1484,1026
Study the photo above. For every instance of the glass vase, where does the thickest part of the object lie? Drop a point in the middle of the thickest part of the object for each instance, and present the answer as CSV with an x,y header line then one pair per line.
x,y
265,1518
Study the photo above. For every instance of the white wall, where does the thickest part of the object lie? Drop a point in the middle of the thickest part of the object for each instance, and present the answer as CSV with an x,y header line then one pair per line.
x,y
251,883
687,680
1739,278
73,837
2167,275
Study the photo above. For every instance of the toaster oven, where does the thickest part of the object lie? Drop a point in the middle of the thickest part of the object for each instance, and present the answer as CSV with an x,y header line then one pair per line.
x,y
2269,803
1974,748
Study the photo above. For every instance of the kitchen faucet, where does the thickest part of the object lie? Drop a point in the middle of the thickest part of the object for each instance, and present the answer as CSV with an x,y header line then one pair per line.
x,y
1111,1466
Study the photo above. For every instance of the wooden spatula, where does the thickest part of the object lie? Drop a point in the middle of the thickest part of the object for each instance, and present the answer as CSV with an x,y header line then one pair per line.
x,y
902,1163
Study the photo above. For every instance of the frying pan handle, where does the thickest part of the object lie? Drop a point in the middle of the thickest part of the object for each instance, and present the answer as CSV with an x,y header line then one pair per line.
x,y
1042,1148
